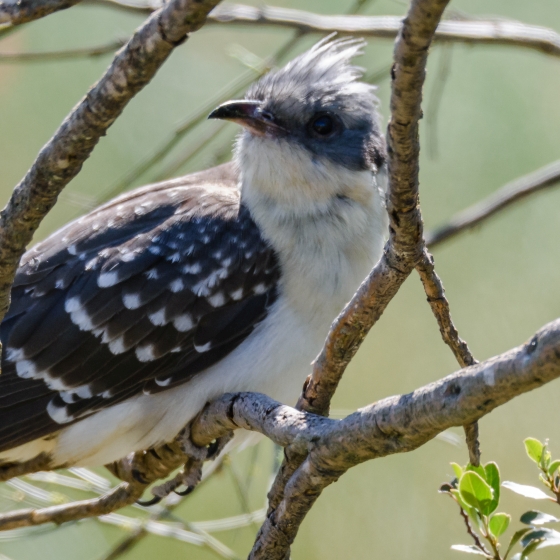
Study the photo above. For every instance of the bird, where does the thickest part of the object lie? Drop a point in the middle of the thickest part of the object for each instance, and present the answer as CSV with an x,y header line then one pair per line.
x,y
127,321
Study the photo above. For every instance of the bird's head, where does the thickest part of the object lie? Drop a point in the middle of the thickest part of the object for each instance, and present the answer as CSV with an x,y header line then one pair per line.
x,y
310,128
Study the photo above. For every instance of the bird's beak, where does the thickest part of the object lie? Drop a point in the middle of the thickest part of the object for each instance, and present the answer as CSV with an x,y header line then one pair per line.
x,y
248,114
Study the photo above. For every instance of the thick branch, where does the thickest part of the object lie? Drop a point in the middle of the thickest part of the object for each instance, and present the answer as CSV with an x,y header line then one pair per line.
x,y
63,156
540,179
393,425
396,424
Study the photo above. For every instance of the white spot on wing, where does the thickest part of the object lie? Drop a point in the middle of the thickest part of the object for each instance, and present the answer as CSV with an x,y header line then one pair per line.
x,y
177,285
259,289
81,319
72,250
217,299
132,301
145,353
107,279
157,318
127,257
194,268
26,369
14,354
183,323
237,295
201,289
72,304
117,346
203,348
84,392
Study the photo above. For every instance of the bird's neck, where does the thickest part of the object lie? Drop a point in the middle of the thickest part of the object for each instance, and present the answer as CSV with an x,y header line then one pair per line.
x,y
326,244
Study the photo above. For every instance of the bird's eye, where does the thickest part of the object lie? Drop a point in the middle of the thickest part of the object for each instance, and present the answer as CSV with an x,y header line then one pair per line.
x,y
323,125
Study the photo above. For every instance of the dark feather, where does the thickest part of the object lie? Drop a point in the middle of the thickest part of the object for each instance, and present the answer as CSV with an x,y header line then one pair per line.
x,y
138,296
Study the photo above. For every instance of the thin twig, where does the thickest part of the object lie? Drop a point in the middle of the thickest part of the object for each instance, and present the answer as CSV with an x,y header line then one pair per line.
x,y
85,52
435,293
471,531
518,189
123,495
440,307
468,31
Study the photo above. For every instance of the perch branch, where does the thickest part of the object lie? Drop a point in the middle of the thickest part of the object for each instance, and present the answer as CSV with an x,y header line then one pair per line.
x,y
63,156
518,189
395,424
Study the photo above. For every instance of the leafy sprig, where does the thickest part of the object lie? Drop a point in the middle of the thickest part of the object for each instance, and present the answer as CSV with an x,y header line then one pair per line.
x,y
477,492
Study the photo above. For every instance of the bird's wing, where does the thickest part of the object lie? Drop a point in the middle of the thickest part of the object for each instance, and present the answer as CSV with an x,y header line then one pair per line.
x,y
137,296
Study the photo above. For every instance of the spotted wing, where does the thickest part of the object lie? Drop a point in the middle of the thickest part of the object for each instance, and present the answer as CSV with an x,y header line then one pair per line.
x,y
138,296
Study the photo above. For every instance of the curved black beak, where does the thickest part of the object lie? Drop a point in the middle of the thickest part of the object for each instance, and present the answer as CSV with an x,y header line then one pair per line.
x,y
248,114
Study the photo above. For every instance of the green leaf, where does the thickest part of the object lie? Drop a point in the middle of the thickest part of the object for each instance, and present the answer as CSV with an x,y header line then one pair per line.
x,y
499,522
471,549
478,470
458,470
534,517
493,478
553,467
476,492
527,491
515,539
534,449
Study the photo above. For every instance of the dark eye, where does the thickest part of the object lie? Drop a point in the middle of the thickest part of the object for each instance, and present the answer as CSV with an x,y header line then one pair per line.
x,y
323,125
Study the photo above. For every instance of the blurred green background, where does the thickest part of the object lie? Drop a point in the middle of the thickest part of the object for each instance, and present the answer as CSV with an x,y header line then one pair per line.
x,y
497,118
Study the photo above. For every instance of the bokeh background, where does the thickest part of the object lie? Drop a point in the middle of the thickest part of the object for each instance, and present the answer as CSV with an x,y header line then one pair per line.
x,y
491,115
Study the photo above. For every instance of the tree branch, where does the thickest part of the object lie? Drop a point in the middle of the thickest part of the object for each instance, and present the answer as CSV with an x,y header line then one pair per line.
x,y
468,31
494,32
63,156
518,189
440,308
395,424
404,249
24,11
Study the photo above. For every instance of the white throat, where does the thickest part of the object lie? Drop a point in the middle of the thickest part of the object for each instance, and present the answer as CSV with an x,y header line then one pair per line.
x,y
327,222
